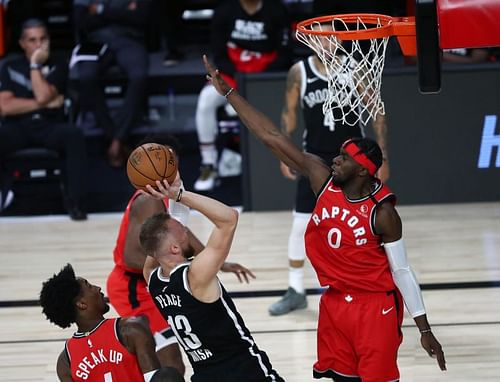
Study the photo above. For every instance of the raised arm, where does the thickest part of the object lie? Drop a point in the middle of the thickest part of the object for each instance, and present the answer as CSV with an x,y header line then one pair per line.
x,y
289,112
379,125
388,225
43,90
202,275
265,130
142,208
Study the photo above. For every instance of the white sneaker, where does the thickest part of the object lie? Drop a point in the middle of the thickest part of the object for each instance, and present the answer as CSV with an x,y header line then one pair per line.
x,y
207,178
6,201
229,163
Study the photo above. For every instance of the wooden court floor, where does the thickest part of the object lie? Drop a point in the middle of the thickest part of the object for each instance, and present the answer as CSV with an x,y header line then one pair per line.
x,y
454,249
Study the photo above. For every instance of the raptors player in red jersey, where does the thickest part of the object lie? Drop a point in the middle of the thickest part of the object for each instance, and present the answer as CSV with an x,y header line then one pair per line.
x,y
354,242
118,349
126,287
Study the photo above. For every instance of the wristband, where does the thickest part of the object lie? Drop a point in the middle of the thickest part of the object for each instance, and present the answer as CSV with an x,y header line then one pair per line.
x,y
426,331
228,92
35,66
179,196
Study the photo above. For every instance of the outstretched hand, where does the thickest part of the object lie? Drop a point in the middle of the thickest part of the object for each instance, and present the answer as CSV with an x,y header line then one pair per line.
x,y
215,78
433,348
163,189
288,172
239,270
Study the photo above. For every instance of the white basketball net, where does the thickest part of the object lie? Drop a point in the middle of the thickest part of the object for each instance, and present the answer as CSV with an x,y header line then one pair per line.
x,y
354,70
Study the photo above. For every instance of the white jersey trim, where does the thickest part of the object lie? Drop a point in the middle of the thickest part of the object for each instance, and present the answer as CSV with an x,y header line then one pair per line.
x,y
187,286
81,334
373,214
315,70
303,82
231,314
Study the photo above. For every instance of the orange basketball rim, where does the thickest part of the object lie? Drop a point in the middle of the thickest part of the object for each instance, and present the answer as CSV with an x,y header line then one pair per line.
x,y
366,26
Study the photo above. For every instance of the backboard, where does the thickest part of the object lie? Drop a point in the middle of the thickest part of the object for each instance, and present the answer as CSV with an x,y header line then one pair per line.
x,y
452,24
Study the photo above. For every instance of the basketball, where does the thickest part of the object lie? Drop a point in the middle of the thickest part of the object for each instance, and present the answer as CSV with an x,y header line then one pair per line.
x,y
151,162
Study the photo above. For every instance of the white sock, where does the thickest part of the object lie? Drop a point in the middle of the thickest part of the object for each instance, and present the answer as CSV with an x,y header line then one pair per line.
x,y
208,154
296,279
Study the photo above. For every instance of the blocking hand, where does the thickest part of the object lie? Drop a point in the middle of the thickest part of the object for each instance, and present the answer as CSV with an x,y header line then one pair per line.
x,y
215,78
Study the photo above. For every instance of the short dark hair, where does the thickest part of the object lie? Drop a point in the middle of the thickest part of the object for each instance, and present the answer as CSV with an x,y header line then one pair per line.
x,y
162,138
58,295
32,23
371,149
152,231
167,374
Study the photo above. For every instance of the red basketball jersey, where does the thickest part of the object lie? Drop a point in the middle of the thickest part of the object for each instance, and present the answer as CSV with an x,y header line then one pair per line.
x,y
99,356
341,242
122,235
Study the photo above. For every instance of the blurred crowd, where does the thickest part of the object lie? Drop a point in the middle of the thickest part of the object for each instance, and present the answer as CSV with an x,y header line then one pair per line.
x,y
245,36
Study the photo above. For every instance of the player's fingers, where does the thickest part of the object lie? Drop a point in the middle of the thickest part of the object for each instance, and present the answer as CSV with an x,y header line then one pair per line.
x,y
161,187
208,66
248,272
245,276
238,275
441,361
152,191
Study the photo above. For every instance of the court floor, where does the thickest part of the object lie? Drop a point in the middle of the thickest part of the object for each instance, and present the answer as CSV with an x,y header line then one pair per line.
x,y
454,249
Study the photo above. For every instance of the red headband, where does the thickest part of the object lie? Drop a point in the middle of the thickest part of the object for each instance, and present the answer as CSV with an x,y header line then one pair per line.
x,y
359,156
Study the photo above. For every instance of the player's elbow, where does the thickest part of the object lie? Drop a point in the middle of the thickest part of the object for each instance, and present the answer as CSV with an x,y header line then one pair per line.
x,y
43,99
233,217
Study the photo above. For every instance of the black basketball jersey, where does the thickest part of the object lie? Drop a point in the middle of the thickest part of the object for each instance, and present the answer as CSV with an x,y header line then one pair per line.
x,y
213,335
322,135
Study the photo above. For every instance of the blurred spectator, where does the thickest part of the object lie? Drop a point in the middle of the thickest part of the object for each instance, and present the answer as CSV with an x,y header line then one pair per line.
x,y
168,17
247,36
31,102
385,7
120,25
466,56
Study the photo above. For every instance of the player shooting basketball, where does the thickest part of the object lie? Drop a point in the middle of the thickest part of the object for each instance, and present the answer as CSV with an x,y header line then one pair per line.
x,y
307,86
354,242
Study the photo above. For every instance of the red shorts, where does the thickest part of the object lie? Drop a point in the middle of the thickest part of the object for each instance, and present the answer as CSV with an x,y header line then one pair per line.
x,y
359,335
129,296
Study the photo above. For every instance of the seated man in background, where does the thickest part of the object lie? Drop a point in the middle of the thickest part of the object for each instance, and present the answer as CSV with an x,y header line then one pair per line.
x,y
466,56
248,36
32,106
119,25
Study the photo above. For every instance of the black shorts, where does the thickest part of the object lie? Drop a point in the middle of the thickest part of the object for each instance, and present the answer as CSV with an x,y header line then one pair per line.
x,y
305,200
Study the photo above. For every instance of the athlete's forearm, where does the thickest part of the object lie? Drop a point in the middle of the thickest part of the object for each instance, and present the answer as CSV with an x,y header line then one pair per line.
x,y
218,213
380,129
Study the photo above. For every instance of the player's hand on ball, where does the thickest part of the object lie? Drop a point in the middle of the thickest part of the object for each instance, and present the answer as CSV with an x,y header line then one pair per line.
x,y
164,189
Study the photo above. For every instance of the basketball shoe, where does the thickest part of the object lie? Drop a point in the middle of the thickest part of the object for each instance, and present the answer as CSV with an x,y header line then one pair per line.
x,y
292,300
207,179
6,199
